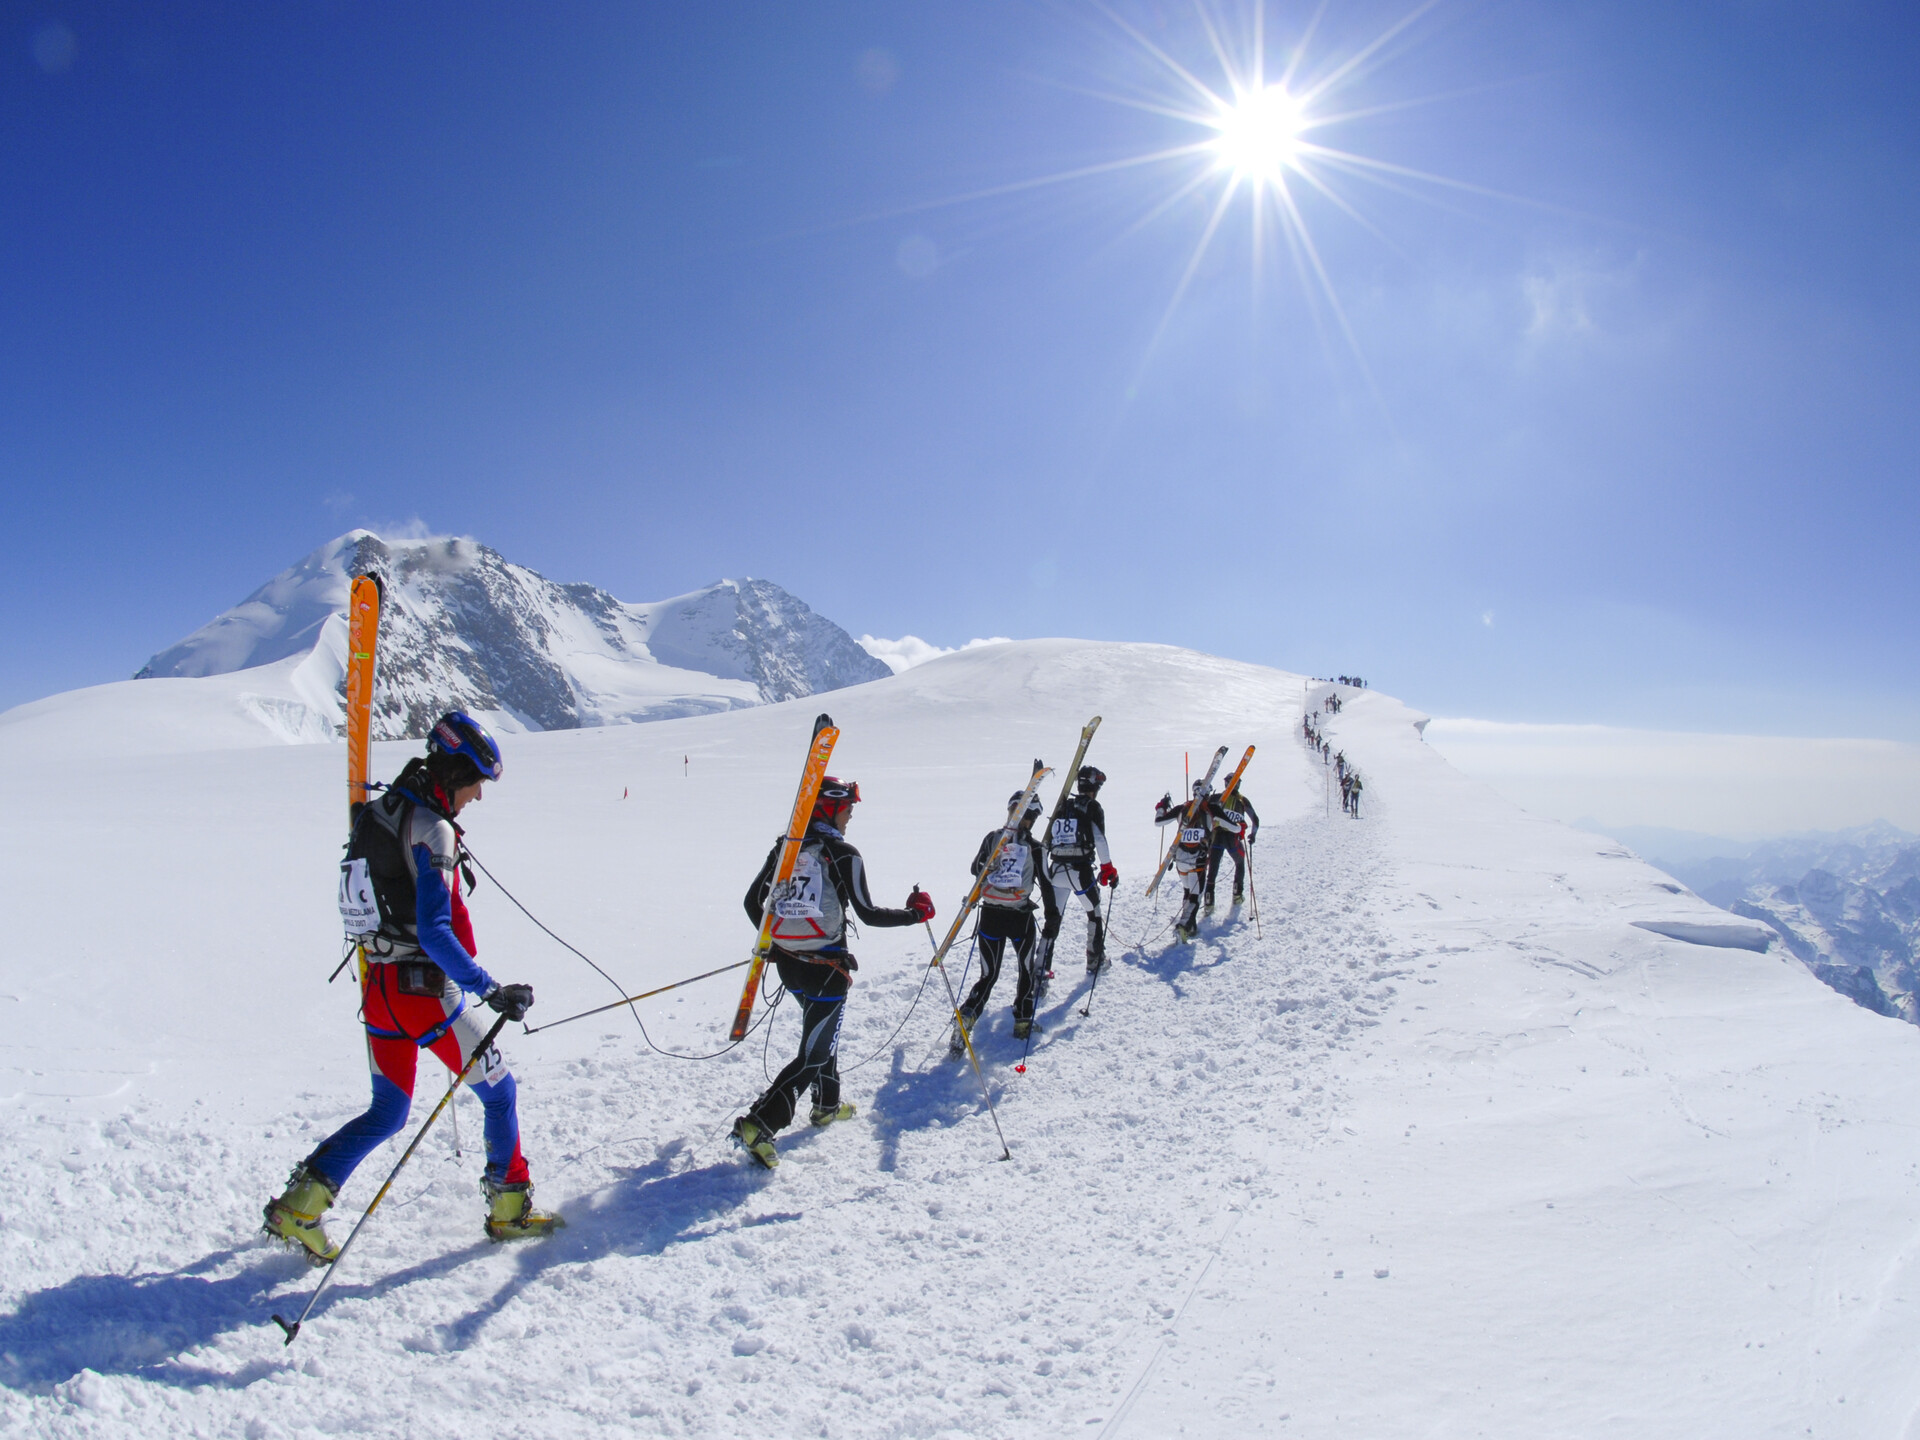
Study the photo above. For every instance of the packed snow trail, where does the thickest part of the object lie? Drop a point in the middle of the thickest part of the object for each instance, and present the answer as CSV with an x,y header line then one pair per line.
x,y
1400,1075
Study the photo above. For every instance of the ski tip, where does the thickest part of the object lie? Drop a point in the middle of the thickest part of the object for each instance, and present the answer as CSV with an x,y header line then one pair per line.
x,y
292,1330
822,721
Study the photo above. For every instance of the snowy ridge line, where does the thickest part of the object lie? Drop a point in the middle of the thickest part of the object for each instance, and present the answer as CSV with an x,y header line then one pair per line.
x,y
1416,1099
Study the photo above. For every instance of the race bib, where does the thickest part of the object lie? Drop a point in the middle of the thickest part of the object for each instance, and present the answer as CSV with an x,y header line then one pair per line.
x,y
800,897
1066,833
1193,835
359,909
488,1069
1009,872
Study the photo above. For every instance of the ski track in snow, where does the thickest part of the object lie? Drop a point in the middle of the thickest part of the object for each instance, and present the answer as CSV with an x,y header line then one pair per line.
x,y
891,1261
1445,1147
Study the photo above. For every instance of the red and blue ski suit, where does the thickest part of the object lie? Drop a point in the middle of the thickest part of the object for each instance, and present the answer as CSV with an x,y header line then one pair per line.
x,y
412,1000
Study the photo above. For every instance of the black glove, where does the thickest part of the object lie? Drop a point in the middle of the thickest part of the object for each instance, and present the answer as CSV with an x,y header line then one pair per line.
x,y
512,1001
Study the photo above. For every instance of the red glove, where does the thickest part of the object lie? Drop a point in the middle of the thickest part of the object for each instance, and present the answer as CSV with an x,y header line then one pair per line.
x,y
1109,875
921,904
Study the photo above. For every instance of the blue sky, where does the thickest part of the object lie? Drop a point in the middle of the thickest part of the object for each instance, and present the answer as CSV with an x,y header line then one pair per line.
x,y
645,295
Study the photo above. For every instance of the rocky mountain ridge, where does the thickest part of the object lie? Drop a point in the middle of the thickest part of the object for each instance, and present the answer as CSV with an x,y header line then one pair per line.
x,y
1845,903
464,627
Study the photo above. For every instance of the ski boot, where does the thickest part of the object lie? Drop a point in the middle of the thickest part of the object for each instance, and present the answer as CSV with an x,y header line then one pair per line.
x,y
1096,946
757,1141
295,1216
1238,898
510,1212
1023,1028
1208,907
962,1029
825,1115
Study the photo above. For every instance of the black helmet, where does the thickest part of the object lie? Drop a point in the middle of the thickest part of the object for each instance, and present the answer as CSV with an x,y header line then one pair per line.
x,y
837,794
1090,779
457,733
1199,788
1033,809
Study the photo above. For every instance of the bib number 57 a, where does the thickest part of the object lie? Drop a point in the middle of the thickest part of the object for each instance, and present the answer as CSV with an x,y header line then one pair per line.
x,y
359,907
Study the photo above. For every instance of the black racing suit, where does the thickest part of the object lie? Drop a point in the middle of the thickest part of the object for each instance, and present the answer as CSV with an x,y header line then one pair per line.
x,y
1006,913
810,952
1076,839
1235,823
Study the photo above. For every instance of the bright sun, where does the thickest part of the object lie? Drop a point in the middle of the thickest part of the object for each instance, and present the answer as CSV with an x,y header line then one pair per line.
x,y
1259,133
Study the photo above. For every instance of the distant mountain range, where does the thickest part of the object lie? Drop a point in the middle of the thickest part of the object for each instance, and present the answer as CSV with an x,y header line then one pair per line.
x,y
1846,903
463,627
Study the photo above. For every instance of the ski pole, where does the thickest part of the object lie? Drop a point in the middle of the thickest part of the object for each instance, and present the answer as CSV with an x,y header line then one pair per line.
x,y
486,1043
1087,1009
1254,892
967,1040
644,994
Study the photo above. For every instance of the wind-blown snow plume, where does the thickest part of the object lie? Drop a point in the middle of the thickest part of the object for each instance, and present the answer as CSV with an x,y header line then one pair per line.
x,y
910,650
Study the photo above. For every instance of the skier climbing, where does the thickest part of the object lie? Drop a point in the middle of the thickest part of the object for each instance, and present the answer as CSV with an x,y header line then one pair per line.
x,y
1353,793
1190,849
419,966
1006,913
810,951
1235,825
1076,838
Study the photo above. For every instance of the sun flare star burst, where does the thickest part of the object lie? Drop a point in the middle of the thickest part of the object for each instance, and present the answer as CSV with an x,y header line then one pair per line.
x,y
1244,135
1259,134
1258,137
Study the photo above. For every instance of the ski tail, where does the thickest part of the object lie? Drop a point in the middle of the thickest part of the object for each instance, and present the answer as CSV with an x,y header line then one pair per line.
x,y
818,754
1014,812
1233,781
1192,808
1072,772
363,635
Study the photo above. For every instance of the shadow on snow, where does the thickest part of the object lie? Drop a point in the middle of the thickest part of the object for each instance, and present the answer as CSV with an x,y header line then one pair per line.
x,y
142,1324
128,1324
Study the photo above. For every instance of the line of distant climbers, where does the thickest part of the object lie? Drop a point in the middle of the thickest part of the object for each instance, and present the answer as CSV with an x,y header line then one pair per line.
x,y
1349,776
1354,680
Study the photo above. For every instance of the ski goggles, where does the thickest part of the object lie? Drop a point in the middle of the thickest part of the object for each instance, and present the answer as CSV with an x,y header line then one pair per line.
x,y
836,793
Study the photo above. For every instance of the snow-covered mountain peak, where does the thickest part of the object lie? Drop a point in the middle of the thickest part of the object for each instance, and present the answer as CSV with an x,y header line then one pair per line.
x,y
464,626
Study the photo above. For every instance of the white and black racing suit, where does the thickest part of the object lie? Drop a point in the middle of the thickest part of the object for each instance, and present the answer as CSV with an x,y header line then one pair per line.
x,y
1191,844
810,952
1006,913
1076,847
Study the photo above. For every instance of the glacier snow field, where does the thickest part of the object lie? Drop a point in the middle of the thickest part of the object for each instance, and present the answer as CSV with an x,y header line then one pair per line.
x,y
1446,1142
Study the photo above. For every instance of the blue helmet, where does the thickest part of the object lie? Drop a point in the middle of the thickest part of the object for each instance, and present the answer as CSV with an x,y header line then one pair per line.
x,y
458,733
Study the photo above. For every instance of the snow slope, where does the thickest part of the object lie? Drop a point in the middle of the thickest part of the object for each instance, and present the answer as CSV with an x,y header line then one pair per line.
x,y
1446,1144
